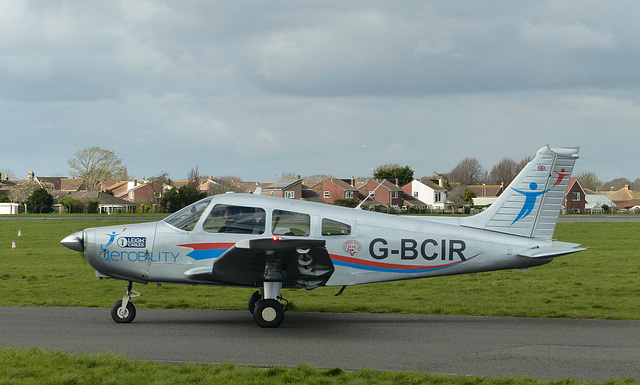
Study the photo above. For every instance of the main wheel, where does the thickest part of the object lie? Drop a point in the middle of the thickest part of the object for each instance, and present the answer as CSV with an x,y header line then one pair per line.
x,y
121,315
268,313
253,300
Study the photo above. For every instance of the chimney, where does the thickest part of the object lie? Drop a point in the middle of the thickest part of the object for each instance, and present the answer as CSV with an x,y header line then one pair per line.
x,y
353,181
397,181
441,182
32,175
135,182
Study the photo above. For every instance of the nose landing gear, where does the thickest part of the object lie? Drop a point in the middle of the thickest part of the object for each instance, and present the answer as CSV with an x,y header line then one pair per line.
x,y
124,311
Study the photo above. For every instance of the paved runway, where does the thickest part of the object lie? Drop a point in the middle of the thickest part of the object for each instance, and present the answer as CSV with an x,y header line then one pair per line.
x,y
541,348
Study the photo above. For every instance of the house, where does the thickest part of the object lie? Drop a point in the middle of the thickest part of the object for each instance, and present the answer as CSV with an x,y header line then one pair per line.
x,y
333,189
574,198
382,192
427,191
625,198
284,188
9,208
486,194
108,204
597,203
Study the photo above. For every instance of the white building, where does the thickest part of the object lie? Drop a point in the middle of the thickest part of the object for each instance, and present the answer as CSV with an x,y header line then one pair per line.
x,y
427,191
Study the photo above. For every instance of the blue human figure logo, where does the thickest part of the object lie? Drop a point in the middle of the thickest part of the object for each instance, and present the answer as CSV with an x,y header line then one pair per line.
x,y
530,200
113,236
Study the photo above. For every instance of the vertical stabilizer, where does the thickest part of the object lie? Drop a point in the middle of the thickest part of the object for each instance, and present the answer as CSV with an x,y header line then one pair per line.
x,y
530,205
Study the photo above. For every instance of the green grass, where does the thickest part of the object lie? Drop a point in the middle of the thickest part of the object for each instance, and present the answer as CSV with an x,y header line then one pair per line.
x,y
36,366
600,283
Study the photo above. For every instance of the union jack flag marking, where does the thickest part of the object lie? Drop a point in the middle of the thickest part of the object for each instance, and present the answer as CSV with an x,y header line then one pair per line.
x,y
542,167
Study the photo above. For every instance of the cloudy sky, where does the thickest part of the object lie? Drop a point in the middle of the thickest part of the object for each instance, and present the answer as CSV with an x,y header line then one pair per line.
x,y
261,88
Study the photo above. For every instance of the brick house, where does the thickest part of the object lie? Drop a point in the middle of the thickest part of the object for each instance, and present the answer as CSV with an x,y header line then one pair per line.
x,y
383,192
575,198
333,189
284,188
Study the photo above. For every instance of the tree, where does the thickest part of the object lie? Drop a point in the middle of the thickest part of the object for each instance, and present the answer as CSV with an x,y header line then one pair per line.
x,y
393,172
72,205
468,172
40,201
503,172
23,189
590,181
616,184
94,164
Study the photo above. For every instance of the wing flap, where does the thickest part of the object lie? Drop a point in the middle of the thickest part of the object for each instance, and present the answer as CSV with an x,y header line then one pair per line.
x,y
300,263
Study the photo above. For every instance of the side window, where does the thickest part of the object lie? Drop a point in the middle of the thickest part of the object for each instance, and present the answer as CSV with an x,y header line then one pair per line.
x,y
235,219
187,218
331,227
290,223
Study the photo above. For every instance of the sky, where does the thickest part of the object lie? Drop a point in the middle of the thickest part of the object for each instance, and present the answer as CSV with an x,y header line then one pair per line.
x,y
260,88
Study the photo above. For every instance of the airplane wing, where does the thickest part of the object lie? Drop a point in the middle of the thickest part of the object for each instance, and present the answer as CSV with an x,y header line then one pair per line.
x,y
557,249
297,263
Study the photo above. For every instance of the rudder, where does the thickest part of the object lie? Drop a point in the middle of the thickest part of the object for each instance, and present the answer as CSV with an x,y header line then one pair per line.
x,y
530,205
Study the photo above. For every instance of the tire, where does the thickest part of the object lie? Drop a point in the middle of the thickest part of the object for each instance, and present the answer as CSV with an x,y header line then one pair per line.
x,y
268,313
121,316
253,300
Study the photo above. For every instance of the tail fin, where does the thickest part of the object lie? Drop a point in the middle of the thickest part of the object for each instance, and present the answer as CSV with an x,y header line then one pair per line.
x,y
530,205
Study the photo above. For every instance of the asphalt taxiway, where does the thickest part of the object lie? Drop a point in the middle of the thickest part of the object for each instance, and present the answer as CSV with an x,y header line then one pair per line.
x,y
596,350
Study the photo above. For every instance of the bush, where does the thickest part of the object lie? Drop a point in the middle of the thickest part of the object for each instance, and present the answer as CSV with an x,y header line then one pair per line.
x,y
93,206
40,201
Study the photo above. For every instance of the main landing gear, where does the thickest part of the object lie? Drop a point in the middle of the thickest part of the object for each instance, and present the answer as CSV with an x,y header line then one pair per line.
x,y
124,311
265,305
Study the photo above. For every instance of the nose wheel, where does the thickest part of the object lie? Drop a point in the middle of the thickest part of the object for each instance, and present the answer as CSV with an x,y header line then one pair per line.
x,y
124,311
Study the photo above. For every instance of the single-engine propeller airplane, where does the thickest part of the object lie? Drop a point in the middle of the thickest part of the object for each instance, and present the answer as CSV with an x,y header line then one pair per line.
x,y
275,243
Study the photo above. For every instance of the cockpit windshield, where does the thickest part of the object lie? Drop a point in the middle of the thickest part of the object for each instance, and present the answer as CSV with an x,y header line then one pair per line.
x,y
187,218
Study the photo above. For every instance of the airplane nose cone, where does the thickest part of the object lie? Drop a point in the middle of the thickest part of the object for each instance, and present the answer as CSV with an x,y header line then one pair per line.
x,y
74,241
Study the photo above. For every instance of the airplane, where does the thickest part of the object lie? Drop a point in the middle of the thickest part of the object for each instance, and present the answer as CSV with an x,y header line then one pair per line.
x,y
271,243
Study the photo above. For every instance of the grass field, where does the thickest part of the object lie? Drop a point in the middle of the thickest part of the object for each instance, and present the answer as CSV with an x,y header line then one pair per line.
x,y
36,366
601,282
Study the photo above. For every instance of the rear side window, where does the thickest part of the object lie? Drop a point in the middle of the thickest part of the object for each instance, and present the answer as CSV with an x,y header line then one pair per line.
x,y
331,227
235,219
291,223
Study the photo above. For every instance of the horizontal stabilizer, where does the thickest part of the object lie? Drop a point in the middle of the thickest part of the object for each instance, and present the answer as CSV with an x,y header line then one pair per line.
x,y
557,249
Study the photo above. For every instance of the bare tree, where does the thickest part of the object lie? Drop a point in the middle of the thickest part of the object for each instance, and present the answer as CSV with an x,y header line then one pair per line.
x,y
7,174
524,162
503,172
468,172
94,164
590,180
616,184
194,176
23,189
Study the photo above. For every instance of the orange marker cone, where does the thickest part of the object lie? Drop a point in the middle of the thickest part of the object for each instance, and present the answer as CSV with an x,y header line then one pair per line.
x,y
19,232
13,245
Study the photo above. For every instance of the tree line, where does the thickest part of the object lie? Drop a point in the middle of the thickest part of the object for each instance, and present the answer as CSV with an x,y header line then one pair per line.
x,y
95,164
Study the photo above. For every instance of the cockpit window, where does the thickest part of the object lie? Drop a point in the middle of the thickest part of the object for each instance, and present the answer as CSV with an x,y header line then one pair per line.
x,y
290,223
331,227
187,218
235,219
